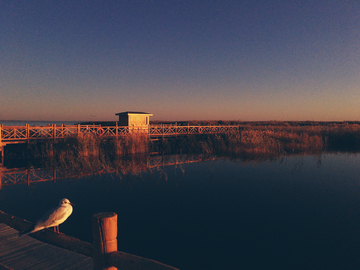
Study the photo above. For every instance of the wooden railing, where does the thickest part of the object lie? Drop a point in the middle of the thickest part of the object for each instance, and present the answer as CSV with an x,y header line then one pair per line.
x,y
173,130
23,133
12,134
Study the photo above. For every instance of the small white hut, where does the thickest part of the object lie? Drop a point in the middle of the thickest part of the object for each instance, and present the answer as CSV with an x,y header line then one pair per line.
x,y
134,119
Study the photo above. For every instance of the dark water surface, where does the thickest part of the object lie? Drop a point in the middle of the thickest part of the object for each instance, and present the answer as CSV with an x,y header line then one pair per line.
x,y
298,213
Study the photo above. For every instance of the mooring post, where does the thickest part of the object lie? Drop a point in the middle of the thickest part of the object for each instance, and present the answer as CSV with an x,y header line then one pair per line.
x,y
104,227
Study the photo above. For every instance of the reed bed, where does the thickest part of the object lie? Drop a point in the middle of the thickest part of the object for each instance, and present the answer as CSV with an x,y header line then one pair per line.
x,y
129,154
272,140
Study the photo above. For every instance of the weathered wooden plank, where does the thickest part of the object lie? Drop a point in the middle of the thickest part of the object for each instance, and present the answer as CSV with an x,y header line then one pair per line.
x,y
48,236
127,261
26,252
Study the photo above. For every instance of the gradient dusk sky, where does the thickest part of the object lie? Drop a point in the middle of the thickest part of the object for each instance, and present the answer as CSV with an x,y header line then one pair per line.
x,y
247,60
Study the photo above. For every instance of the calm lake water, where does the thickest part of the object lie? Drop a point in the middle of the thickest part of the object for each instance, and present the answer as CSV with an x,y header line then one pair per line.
x,y
296,213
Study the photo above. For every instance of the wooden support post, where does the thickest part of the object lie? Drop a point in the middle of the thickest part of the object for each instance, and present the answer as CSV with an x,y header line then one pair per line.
x,y
78,130
104,226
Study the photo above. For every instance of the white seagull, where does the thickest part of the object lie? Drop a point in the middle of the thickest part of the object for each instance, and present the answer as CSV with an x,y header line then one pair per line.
x,y
53,217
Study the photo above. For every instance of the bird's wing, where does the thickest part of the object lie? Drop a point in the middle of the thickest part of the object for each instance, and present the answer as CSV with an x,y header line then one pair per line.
x,y
51,217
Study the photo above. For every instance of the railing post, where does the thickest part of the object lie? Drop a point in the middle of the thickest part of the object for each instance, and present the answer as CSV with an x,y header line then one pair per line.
x,y
53,131
0,135
27,132
104,227
78,130
162,131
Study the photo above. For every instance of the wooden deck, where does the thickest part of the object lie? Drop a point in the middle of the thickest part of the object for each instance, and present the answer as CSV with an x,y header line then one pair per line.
x,y
61,251
26,252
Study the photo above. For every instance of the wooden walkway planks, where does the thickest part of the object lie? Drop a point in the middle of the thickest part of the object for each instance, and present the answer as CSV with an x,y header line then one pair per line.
x,y
26,252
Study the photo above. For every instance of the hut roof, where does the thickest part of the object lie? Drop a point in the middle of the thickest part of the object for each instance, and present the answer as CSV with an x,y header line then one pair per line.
x,y
133,113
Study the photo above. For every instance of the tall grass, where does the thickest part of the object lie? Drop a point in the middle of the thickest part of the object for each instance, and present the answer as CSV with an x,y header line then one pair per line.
x,y
272,140
80,154
128,153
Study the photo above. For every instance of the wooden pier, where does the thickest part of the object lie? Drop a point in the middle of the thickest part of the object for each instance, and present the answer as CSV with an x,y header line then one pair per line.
x,y
46,249
26,252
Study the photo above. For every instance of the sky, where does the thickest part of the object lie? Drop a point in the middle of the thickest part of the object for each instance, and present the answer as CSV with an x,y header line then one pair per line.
x,y
248,60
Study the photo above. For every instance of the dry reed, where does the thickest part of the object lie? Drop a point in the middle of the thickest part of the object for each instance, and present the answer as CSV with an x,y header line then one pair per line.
x,y
128,153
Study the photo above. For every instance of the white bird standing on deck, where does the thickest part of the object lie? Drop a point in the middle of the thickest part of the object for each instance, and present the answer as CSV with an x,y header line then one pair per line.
x,y
53,217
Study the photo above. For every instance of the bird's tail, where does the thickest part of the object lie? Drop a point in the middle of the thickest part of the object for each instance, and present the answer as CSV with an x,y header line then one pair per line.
x,y
27,231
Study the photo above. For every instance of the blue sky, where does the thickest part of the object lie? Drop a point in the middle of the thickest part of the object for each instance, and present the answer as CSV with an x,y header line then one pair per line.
x,y
180,60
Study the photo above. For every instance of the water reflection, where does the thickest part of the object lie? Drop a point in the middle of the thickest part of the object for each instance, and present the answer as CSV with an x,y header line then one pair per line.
x,y
120,167
134,165
296,211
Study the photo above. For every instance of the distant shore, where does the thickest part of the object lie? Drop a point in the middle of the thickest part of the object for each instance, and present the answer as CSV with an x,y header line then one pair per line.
x,y
189,122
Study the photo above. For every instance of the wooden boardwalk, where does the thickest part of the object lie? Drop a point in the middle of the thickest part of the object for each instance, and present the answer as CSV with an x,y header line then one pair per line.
x,y
26,252
22,134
